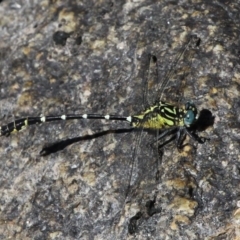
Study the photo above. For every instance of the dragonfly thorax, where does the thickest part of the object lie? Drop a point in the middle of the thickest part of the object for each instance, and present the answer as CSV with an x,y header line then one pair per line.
x,y
164,115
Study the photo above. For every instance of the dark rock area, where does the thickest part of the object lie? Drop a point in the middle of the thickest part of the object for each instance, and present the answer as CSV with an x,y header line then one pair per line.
x,y
69,179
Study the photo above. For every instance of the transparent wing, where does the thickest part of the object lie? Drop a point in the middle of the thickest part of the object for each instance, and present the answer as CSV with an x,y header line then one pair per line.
x,y
170,85
149,158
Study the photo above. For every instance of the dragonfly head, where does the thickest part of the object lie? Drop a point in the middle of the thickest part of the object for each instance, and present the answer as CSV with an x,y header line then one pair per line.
x,y
190,114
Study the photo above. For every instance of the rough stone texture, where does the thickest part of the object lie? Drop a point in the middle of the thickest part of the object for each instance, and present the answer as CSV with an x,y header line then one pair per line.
x,y
100,66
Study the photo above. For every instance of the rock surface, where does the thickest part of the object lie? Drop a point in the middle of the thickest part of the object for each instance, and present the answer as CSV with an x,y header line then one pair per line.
x,y
60,57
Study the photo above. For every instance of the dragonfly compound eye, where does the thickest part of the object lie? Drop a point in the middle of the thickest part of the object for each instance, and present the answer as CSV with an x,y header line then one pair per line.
x,y
189,118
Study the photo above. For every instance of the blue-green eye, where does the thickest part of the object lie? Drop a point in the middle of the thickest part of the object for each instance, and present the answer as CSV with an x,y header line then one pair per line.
x,y
191,114
189,118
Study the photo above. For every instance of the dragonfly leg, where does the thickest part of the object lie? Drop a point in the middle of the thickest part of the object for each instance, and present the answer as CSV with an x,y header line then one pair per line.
x,y
197,138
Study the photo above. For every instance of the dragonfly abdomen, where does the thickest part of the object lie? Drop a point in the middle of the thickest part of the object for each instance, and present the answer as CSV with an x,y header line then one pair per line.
x,y
20,124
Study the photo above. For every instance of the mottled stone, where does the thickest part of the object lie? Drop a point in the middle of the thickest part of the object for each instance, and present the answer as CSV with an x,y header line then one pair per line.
x,y
80,191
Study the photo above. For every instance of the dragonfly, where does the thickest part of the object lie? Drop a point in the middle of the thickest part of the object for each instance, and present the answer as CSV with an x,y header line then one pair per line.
x,y
163,117
159,116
